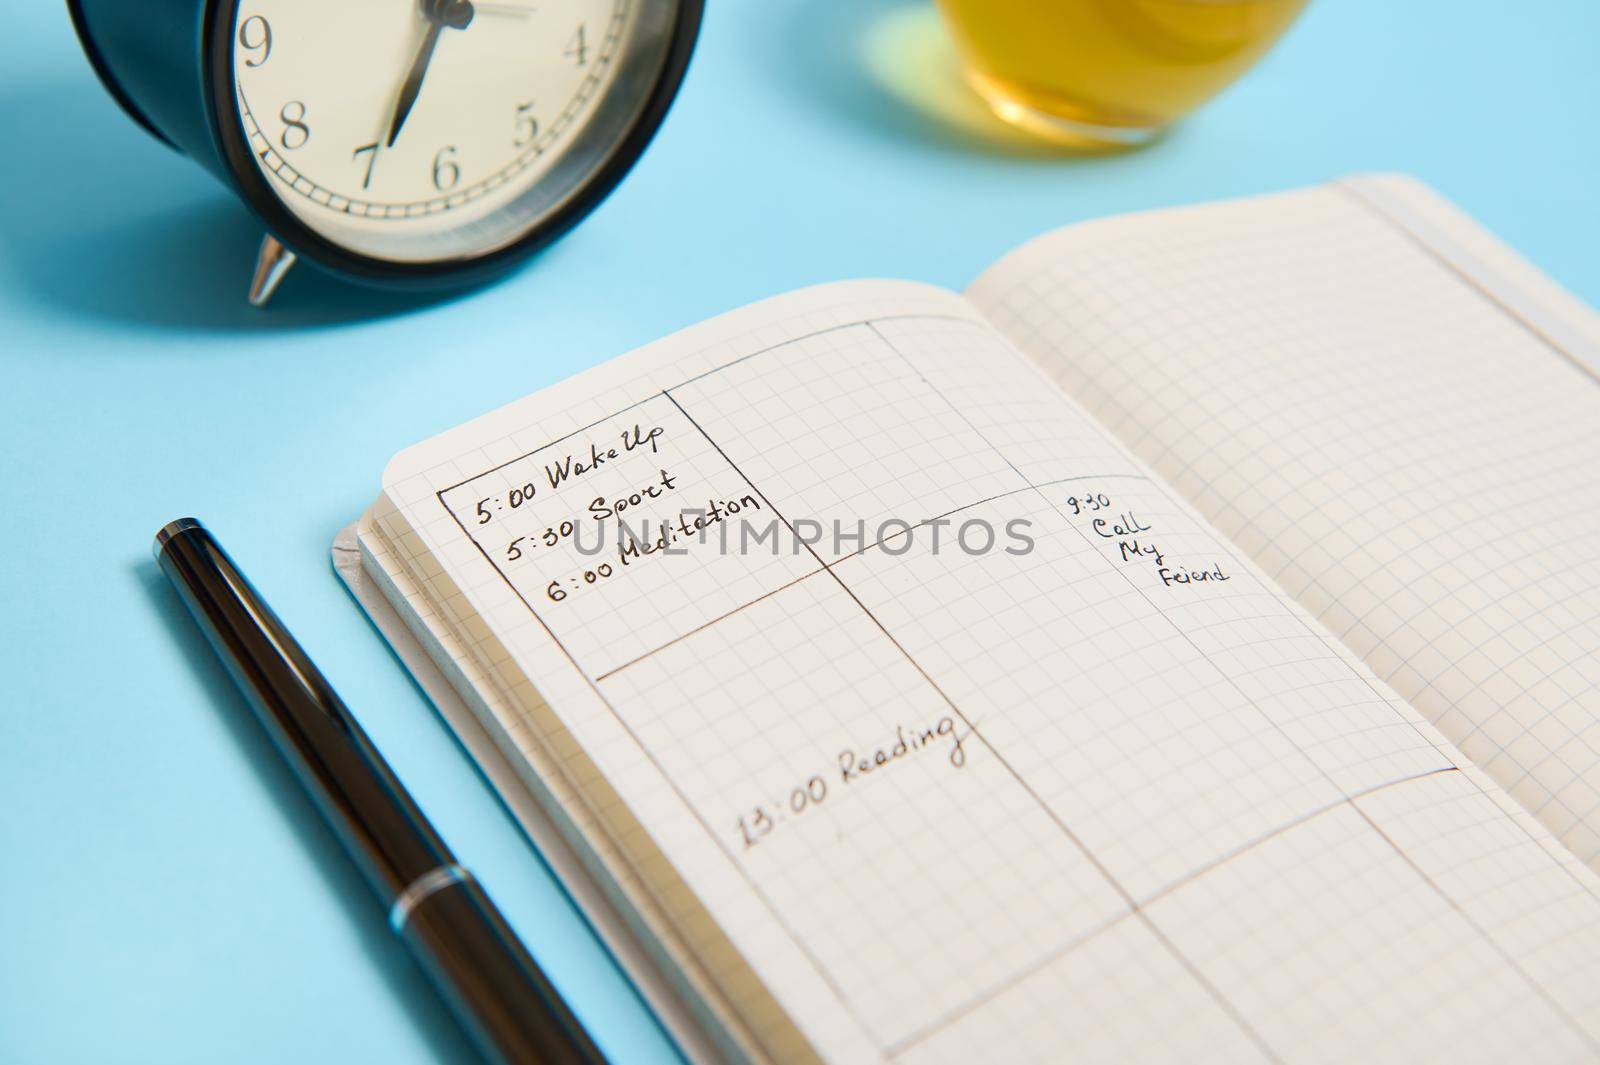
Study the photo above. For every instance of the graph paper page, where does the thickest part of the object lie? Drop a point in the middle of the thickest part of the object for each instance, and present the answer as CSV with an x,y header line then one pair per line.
x,y
1098,792
1392,415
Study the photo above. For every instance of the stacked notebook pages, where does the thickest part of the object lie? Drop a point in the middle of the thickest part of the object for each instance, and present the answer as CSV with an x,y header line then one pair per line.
x,y
1182,645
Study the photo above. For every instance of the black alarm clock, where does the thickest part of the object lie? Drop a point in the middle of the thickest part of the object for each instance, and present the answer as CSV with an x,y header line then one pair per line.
x,y
407,143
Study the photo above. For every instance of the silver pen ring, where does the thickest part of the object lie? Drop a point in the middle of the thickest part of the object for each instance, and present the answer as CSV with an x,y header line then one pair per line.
x,y
419,889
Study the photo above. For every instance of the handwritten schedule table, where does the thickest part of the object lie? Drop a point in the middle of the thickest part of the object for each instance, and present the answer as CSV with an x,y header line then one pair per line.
x,y
942,705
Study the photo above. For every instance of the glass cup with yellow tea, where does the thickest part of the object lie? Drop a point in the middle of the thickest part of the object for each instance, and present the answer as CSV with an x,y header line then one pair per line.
x,y
1109,72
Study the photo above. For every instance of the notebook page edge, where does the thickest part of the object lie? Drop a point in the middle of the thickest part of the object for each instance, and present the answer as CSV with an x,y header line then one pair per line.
x,y
803,305
628,366
1336,650
1015,265
628,942
682,941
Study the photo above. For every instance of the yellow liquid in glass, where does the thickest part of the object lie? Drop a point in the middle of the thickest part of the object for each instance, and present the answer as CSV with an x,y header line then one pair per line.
x,y
1114,71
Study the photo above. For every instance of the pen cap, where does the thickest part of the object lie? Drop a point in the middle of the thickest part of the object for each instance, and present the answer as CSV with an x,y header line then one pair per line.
x,y
377,821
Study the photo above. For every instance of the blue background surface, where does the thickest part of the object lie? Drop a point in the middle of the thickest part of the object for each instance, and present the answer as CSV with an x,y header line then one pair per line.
x,y
169,895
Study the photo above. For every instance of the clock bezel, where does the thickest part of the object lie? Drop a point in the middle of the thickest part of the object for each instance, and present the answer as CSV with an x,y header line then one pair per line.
x,y
253,186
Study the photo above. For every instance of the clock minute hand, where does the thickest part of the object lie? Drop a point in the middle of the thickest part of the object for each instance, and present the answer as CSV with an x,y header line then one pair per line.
x,y
455,14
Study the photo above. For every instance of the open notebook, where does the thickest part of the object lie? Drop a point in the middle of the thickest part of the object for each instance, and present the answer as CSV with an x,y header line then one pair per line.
x,y
1185,645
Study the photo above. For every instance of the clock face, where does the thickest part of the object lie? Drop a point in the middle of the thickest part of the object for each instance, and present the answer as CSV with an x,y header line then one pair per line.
x,y
427,131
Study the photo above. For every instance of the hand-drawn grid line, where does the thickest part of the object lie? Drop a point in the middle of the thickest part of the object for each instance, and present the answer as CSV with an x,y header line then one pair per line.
x,y
1470,282
688,381
1135,906
1493,944
1483,933
677,790
661,771
593,684
977,1001
880,542
972,729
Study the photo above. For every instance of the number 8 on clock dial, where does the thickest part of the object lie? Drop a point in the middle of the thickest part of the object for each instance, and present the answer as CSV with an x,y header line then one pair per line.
x,y
419,143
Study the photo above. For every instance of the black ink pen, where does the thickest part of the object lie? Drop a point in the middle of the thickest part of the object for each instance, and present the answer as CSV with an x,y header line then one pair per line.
x,y
452,928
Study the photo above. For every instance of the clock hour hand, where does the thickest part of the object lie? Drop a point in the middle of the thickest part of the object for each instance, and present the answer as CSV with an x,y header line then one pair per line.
x,y
441,14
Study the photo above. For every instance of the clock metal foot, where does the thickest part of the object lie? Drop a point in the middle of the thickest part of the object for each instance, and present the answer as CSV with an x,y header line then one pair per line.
x,y
272,264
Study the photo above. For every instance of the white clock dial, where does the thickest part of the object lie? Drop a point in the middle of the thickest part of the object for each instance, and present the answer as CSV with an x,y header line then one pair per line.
x,y
416,131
